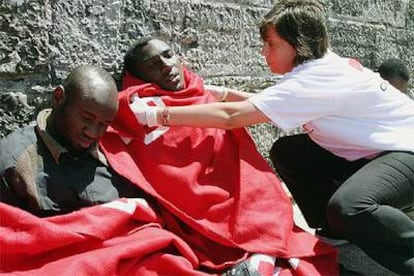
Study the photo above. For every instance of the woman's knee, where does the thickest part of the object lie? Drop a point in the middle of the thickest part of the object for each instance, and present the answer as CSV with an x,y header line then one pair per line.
x,y
341,209
335,213
345,210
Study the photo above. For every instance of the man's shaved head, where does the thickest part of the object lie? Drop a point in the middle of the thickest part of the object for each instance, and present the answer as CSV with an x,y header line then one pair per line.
x,y
90,81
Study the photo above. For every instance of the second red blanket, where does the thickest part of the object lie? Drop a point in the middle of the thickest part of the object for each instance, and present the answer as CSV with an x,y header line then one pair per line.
x,y
216,191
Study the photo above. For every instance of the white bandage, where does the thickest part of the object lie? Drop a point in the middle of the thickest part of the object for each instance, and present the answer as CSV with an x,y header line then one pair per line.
x,y
152,118
145,114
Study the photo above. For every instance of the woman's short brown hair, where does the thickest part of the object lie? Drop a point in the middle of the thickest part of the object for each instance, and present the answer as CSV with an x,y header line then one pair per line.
x,y
302,24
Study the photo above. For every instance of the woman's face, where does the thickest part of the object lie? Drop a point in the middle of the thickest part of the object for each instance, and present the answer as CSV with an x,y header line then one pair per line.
x,y
279,54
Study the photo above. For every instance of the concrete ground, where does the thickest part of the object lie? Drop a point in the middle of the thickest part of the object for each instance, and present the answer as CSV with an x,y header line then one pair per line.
x,y
352,260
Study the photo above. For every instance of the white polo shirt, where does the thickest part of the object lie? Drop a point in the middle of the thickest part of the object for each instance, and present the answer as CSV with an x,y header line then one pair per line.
x,y
345,108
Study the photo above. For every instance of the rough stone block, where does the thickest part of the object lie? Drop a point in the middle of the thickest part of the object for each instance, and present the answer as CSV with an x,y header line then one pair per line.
x,y
253,62
410,16
396,43
391,12
84,32
23,37
252,3
364,39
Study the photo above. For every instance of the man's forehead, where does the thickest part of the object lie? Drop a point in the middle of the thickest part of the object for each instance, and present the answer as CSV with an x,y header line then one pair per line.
x,y
155,47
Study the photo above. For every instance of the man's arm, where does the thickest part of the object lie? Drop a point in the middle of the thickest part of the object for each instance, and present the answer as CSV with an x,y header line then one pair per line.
x,y
7,194
13,189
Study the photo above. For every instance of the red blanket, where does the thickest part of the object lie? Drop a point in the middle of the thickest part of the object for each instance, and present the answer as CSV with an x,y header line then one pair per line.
x,y
123,237
215,190
118,238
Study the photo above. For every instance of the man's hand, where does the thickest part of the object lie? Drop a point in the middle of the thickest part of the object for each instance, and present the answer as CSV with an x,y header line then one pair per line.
x,y
219,92
145,114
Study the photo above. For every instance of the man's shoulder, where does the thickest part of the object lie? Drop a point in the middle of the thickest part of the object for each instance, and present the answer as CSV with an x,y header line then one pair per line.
x,y
14,144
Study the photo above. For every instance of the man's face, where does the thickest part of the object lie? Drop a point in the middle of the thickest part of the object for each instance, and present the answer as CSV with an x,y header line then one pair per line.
x,y
159,65
399,83
82,121
279,54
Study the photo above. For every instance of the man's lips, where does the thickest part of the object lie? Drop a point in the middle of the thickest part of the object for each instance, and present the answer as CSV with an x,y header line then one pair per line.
x,y
174,79
86,142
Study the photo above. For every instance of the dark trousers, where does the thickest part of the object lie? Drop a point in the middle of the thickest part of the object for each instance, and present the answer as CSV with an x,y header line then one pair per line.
x,y
364,201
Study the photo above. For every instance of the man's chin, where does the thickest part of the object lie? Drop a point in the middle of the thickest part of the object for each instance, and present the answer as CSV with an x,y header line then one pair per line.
x,y
81,149
173,85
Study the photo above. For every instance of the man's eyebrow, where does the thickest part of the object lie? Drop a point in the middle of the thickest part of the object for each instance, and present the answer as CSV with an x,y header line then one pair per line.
x,y
94,116
85,112
167,51
147,59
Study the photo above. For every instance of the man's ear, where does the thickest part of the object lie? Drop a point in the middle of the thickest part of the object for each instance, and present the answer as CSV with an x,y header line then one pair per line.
x,y
58,96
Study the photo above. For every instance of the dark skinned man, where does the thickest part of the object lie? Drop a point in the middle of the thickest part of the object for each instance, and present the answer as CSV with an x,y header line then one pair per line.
x,y
56,167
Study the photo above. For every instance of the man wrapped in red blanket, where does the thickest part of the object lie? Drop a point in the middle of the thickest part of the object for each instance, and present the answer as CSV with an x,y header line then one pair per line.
x,y
52,172
214,189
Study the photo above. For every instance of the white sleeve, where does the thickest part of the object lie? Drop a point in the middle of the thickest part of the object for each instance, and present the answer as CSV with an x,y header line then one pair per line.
x,y
292,103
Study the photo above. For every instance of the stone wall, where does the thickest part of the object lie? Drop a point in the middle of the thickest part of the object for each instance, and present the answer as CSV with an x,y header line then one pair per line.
x,y
41,40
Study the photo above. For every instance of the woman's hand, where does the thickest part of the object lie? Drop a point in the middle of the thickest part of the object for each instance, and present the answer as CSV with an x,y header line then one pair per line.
x,y
218,92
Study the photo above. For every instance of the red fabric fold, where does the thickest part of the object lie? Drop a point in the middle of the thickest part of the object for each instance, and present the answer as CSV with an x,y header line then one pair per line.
x,y
119,238
217,192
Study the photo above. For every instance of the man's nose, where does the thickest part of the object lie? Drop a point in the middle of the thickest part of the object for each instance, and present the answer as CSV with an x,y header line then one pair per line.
x,y
167,64
94,130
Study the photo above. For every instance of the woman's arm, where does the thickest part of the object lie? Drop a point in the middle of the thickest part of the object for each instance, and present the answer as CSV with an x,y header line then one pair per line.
x,y
220,115
225,115
235,95
224,94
